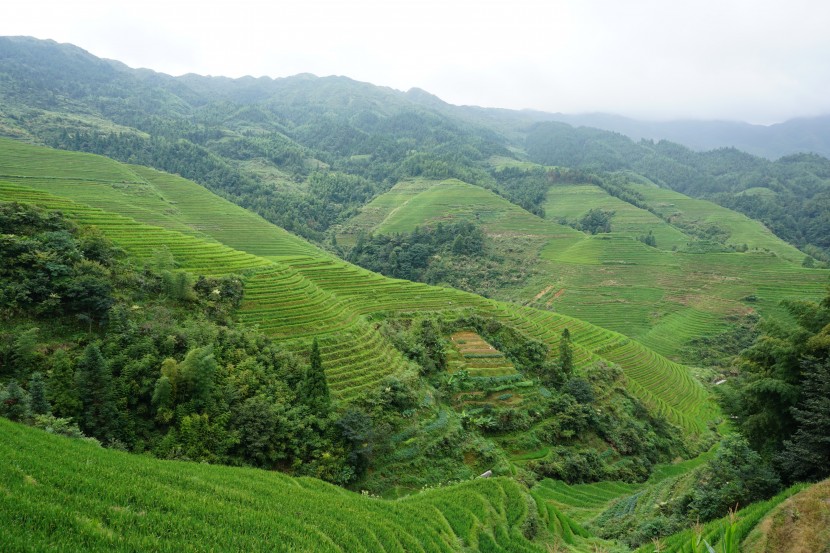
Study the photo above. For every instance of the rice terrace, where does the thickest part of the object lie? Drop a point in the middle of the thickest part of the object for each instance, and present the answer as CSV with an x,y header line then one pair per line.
x,y
314,314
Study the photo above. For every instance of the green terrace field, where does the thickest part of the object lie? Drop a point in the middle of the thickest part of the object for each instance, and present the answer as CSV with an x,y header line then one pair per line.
x,y
295,297
583,502
495,381
662,296
742,230
413,203
148,196
60,494
571,201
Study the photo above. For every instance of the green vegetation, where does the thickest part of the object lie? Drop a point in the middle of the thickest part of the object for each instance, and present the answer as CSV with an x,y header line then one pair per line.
x,y
800,525
93,499
793,204
144,312
779,397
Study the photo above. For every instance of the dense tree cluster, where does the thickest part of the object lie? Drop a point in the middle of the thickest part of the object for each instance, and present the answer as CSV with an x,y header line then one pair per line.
x,y
163,370
412,255
50,267
781,395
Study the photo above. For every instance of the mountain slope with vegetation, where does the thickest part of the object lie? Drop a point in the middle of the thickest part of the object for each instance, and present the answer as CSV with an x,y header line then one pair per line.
x,y
565,276
294,298
705,268
73,495
789,195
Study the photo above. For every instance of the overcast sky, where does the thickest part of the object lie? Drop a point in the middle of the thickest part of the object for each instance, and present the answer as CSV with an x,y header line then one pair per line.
x,y
760,61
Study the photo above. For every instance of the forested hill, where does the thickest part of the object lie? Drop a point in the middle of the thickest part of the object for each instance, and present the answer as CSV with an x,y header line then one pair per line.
x,y
306,152
320,146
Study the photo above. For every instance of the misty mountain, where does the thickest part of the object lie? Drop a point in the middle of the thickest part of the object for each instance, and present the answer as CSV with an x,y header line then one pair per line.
x,y
305,152
802,135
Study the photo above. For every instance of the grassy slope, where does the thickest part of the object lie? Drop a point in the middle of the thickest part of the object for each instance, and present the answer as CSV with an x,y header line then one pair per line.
x,y
60,494
658,296
799,525
661,297
302,291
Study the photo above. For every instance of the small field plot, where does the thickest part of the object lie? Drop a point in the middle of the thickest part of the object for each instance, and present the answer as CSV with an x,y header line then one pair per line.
x,y
572,201
478,357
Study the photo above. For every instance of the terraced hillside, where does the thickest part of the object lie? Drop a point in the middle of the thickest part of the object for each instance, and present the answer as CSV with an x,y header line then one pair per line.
x,y
419,202
571,202
148,196
663,296
294,297
666,297
68,495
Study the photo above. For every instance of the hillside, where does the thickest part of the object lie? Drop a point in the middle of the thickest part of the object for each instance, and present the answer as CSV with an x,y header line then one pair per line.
x,y
796,136
68,495
294,292
685,287
358,300
306,152
787,195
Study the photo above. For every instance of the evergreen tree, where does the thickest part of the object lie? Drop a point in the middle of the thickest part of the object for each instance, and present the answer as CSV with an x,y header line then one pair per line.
x,y
24,352
314,390
61,390
94,382
807,455
37,393
566,354
14,402
434,356
197,373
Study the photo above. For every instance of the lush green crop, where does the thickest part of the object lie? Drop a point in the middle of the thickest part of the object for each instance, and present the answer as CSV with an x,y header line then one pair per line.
x,y
67,495
302,295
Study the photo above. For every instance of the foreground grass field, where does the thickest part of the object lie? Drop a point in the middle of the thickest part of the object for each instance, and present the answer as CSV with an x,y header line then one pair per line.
x,y
59,494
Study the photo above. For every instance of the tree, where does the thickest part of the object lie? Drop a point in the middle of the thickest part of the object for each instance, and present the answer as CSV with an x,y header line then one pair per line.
x,y
14,402
596,221
261,425
61,389
24,351
566,355
771,384
196,372
94,382
807,455
434,357
37,393
163,399
314,390
736,476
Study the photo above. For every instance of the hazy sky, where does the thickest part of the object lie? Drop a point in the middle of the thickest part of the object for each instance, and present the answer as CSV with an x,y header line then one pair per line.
x,y
761,61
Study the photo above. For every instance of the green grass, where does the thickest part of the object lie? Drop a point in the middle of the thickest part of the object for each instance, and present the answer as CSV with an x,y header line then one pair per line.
x,y
583,502
658,296
59,494
294,291
744,521
572,201
742,229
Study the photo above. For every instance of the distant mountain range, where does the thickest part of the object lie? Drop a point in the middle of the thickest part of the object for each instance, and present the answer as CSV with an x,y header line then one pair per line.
x,y
806,134
260,142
